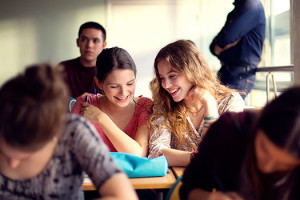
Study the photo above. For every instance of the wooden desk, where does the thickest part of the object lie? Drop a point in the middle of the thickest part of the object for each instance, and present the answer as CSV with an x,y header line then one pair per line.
x,y
178,171
163,182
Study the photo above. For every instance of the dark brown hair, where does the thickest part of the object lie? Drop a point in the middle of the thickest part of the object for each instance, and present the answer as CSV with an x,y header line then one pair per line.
x,y
111,59
33,106
280,122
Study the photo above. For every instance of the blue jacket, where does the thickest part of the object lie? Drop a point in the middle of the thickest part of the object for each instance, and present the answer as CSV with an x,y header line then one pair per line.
x,y
246,22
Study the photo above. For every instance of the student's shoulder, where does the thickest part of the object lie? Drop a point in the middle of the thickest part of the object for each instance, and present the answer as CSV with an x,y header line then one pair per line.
x,y
94,99
236,98
74,120
232,102
145,100
237,121
77,125
77,133
70,63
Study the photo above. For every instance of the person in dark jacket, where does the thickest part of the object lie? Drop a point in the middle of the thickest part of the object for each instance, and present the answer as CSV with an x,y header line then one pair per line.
x,y
251,155
239,45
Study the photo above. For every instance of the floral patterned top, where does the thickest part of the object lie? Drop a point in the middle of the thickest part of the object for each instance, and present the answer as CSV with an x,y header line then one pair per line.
x,y
161,138
79,150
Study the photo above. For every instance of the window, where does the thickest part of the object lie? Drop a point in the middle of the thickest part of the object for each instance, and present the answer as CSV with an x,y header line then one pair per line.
x,y
276,52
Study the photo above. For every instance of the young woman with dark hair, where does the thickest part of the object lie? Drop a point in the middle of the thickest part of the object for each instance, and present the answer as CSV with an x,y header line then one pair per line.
x,y
119,116
249,155
44,152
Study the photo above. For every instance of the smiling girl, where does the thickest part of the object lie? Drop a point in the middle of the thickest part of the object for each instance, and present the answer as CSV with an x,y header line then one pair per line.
x,y
118,115
188,99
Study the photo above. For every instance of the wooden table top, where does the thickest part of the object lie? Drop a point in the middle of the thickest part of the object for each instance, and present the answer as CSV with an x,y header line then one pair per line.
x,y
178,171
163,182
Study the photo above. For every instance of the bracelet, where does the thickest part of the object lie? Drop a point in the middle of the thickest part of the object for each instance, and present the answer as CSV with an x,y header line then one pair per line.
x,y
211,118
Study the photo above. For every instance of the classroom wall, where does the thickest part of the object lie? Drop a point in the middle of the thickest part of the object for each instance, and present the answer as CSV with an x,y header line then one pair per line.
x,y
34,31
143,27
42,31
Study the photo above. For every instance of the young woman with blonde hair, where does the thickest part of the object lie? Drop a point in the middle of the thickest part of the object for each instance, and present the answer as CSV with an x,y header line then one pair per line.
x,y
188,99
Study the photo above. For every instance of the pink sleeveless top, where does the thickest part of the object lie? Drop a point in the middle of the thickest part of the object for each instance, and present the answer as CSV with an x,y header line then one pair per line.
x,y
142,111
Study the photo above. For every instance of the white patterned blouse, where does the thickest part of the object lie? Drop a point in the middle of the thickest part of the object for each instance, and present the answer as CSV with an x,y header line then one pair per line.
x,y
161,138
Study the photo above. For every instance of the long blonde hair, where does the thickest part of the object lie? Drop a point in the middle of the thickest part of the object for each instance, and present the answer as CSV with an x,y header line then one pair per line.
x,y
184,57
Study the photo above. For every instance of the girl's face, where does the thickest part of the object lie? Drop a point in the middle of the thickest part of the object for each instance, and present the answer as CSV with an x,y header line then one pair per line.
x,y
119,87
270,158
176,83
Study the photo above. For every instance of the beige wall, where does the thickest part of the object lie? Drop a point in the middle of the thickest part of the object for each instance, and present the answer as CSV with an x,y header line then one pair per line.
x,y
42,31
34,31
45,31
143,27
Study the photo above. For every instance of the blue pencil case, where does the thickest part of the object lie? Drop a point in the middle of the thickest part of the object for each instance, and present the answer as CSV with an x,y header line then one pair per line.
x,y
137,166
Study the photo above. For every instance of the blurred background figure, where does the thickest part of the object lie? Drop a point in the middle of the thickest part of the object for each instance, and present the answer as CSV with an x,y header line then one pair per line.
x,y
80,72
239,45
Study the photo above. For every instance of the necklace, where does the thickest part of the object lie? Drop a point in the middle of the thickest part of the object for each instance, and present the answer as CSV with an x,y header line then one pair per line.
x,y
195,114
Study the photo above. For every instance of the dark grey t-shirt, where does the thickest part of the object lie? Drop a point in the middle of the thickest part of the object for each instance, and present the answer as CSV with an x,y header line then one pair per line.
x,y
79,150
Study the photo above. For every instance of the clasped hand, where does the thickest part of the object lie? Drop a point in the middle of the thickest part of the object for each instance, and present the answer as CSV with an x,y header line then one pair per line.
x,y
203,97
91,112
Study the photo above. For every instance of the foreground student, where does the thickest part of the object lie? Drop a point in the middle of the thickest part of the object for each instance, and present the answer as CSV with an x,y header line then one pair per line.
x,y
119,117
249,155
188,99
44,151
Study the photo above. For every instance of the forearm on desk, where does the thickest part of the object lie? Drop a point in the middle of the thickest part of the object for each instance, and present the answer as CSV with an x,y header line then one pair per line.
x,y
177,157
118,187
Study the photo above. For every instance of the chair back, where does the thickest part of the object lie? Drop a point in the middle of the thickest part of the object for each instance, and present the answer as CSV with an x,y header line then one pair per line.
x,y
173,193
71,103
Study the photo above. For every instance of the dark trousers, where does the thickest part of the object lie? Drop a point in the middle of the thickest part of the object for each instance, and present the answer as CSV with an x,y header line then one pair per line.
x,y
241,78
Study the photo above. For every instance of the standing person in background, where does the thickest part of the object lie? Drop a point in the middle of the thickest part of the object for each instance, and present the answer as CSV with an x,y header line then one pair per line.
x,y
119,116
80,72
252,155
44,151
188,99
239,45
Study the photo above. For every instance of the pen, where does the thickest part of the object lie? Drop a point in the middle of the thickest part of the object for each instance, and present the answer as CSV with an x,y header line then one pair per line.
x,y
86,99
